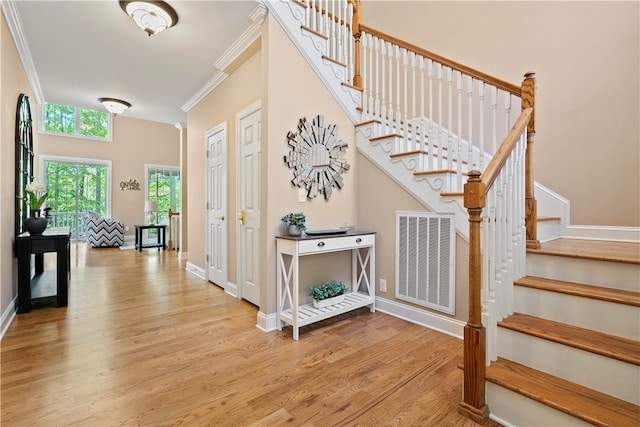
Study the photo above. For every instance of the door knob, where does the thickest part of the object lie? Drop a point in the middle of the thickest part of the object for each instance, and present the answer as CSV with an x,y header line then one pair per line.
x,y
221,218
243,216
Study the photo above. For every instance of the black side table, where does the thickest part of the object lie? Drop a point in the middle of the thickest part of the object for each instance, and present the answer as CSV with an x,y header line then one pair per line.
x,y
162,236
46,288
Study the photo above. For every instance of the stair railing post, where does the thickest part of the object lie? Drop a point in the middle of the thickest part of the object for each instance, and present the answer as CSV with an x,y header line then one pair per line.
x,y
528,96
473,405
357,19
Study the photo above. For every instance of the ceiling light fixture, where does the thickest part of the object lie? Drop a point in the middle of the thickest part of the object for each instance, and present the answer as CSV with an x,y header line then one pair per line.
x,y
151,16
114,106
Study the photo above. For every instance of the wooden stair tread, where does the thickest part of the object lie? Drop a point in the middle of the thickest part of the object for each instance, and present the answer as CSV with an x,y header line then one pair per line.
x,y
619,348
624,252
578,401
577,289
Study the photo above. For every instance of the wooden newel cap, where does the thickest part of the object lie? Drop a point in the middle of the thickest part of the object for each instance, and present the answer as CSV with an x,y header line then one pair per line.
x,y
474,191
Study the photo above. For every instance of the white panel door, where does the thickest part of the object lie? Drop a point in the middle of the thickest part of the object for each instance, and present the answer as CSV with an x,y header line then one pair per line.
x,y
217,205
249,204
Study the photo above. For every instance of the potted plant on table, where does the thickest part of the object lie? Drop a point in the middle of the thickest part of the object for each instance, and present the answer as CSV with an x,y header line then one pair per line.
x,y
35,224
328,294
295,223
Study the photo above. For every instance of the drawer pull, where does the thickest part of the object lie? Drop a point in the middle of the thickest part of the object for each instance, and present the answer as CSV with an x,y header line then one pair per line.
x,y
321,244
358,240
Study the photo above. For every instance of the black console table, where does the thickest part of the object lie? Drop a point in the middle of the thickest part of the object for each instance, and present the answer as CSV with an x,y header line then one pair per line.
x,y
46,287
162,236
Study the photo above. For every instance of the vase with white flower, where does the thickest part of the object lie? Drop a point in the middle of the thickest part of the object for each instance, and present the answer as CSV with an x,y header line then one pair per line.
x,y
36,196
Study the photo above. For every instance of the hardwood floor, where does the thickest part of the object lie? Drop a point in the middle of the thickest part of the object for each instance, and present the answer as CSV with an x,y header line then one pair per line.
x,y
142,342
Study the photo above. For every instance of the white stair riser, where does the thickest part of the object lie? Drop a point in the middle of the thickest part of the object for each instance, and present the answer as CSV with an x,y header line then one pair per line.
x,y
522,411
601,273
602,316
548,230
607,375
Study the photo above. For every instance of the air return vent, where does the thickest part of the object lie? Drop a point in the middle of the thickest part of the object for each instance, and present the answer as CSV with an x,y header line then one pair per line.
x,y
425,260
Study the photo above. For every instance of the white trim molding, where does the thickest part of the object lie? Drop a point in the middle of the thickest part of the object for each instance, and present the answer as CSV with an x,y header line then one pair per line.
x,y
267,322
439,323
242,43
195,270
7,317
14,23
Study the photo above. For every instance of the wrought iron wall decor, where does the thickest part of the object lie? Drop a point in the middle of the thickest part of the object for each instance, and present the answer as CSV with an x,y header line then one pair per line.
x,y
132,184
316,157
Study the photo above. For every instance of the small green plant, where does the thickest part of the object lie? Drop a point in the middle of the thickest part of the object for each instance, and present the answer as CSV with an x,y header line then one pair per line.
x,y
328,290
295,219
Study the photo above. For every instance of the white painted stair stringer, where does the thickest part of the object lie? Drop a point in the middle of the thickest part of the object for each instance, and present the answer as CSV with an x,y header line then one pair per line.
x,y
290,16
607,375
426,192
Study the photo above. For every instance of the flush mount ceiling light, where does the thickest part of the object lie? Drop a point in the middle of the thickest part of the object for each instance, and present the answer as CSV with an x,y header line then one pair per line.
x,y
114,106
151,16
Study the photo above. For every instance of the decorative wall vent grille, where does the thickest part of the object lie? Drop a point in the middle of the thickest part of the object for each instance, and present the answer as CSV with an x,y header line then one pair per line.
x,y
425,260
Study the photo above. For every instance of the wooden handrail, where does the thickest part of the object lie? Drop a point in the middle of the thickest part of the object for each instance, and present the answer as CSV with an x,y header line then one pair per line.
x,y
500,84
500,158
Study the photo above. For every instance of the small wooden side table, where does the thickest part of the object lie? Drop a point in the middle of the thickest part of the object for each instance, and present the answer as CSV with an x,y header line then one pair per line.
x,y
162,236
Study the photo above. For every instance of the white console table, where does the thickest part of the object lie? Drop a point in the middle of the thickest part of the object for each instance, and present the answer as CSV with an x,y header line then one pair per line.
x,y
361,247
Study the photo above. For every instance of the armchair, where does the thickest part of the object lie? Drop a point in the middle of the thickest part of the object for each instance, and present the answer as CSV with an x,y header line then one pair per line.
x,y
103,232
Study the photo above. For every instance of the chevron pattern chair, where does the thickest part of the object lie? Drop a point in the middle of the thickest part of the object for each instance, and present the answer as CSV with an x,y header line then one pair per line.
x,y
103,232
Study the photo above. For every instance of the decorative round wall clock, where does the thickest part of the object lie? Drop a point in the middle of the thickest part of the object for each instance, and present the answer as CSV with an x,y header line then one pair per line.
x,y
316,157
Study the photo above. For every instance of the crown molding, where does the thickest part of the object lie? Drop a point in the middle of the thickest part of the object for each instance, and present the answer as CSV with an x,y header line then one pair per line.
x,y
12,18
242,43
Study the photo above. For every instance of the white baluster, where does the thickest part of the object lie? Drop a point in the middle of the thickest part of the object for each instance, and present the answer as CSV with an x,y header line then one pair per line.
x,y
414,115
450,119
432,139
398,94
382,77
481,135
494,118
507,110
390,110
423,129
470,121
376,104
459,157
405,64
440,124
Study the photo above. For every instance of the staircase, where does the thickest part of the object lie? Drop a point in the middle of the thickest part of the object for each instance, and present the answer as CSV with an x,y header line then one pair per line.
x,y
567,344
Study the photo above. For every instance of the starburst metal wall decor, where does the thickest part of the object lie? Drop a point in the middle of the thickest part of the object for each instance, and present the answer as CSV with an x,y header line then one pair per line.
x,y
316,157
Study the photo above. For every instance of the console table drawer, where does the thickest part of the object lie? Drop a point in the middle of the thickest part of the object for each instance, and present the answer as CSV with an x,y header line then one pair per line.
x,y
335,243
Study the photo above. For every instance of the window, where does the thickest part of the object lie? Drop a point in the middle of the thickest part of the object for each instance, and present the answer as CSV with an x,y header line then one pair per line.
x,y
76,186
163,185
78,122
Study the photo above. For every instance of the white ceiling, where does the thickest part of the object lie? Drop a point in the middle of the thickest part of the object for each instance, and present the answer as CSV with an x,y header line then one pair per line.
x,y
84,50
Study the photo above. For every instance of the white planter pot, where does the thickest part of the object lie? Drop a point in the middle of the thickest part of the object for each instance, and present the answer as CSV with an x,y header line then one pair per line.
x,y
328,301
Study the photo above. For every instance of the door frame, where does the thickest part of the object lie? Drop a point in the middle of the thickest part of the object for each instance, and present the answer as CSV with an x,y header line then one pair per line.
x,y
207,244
256,106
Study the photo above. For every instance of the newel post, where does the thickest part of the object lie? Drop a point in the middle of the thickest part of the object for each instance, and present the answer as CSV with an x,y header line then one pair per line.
x,y
473,404
528,96
357,19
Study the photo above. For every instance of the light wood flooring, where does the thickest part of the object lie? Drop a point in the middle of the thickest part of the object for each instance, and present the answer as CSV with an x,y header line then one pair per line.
x,y
142,342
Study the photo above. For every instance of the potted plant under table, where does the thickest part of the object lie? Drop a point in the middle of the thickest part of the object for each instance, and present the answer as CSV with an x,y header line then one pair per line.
x,y
327,294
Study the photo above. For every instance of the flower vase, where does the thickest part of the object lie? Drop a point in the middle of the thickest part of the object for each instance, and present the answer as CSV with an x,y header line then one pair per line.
x,y
35,224
294,230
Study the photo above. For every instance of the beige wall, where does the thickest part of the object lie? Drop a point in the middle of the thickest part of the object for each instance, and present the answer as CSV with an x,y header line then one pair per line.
x,y
380,194
294,91
135,143
586,56
13,82
240,90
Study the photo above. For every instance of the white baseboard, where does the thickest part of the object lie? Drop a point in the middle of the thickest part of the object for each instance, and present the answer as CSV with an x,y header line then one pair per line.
x,y
602,232
430,320
232,289
195,270
7,317
267,322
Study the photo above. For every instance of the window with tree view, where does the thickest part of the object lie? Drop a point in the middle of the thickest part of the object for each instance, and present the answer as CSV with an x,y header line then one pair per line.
x,y
79,122
75,189
164,186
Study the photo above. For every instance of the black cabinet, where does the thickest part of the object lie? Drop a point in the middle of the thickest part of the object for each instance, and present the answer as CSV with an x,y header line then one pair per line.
x,y
46,288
